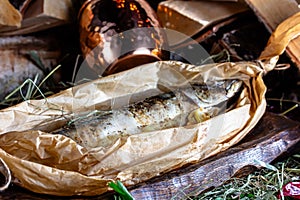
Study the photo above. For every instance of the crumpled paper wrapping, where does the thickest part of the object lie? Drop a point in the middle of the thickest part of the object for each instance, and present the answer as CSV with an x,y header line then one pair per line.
x,y
280,38
54,164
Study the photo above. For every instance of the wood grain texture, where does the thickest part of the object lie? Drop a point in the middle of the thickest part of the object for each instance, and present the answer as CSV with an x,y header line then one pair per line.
x,y
272,13
293,51
16,65
272,138
40,15
192,17
9,16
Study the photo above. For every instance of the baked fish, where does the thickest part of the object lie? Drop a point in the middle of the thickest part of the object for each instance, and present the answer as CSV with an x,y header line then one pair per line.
x,y
180,107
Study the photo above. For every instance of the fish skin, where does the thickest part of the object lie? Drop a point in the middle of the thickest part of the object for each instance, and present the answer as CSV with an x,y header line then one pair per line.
x,y
168,110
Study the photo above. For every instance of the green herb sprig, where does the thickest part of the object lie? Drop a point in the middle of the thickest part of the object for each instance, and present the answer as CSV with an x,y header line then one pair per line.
x,y
121,190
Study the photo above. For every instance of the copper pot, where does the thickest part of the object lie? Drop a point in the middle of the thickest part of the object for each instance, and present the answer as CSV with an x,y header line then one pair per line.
x,y
116,35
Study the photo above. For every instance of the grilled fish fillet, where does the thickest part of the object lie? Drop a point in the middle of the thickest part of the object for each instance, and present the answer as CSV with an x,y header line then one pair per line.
x,y
173,109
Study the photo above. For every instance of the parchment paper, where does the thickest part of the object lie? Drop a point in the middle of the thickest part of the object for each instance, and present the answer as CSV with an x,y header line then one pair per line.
x,y
54,164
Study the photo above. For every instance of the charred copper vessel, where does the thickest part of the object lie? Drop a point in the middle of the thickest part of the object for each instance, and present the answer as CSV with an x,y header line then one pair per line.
x,y
116,35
